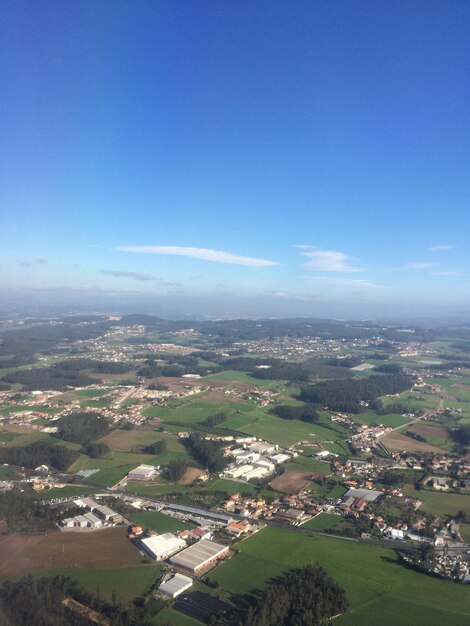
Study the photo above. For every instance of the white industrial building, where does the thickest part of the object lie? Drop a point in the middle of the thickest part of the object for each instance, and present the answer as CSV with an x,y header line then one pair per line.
x,y
236,471
93,520
162,546
257,472
263,447
142,472
280,458
200,555
176,585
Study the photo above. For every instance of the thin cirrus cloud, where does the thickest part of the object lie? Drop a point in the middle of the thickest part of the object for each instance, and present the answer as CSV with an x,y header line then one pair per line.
x,y
346,282
441,248
203,254
132,275
328,261
418,265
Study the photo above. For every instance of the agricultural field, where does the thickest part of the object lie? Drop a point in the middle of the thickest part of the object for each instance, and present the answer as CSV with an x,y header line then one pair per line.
x,y
323,521
126,582
373,579
397,441
158,521
440,503
106,548
170,616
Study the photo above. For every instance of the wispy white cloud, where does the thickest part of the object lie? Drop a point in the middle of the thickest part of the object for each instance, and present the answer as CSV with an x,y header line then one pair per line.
x,y
418,265
346,282
441,248
304,246
203,254
132,275
447,273
328,261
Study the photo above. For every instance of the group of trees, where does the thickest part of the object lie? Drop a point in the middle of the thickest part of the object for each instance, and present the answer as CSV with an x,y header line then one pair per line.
x,y
209,453
39,453
215,420
305,596
81,427
305,413
54,377
22,514
157,447
95,366
40,601
95,450
176,469
347,395
461,435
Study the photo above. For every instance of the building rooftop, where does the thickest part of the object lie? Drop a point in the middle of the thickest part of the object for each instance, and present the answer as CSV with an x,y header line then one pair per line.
x,y
198,554
176,585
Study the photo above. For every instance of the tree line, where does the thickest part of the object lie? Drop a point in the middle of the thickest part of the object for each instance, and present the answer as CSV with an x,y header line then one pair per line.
x,y
81,427
305,596
39,601
39,453
208,453
347,395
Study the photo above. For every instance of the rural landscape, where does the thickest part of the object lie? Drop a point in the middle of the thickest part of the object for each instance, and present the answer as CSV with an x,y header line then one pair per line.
x,y
175,472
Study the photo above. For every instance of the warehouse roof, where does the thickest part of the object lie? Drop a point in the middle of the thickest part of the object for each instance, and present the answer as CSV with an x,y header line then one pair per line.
x,y
163,544
176,585
367,494
198,554
199,512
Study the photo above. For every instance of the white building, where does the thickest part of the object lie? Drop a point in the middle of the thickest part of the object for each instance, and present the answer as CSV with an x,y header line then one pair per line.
x,y
176,585
93,520
162,546
256,472
238,470
142,472
280,458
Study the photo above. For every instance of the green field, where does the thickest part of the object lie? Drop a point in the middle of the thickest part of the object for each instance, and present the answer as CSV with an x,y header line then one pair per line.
x,y
127,582
323,521
109,476
170,616
158,521
372,417
6,437
440,503
380,590
465,532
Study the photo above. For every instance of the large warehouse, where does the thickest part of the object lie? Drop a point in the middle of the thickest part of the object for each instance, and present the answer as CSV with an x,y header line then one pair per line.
x,y
162,546
176,585
200,555
142,472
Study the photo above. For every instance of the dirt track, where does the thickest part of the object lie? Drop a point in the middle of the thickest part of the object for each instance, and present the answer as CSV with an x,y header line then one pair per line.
x,y
20,554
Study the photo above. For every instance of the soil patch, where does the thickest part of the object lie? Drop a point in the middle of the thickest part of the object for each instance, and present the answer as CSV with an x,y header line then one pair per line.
x,y
16,428
20,554
291,482
190,475
396,441
426,430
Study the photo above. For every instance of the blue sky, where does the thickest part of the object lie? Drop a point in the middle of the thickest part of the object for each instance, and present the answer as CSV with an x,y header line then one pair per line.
x,y
276,156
